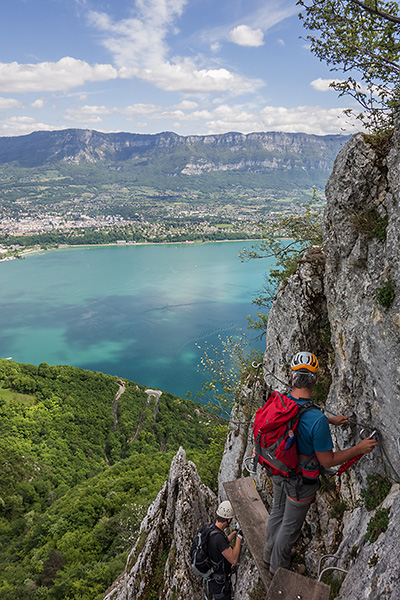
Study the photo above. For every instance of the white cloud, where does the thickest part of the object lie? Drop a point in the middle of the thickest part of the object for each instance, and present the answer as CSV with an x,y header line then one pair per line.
x,y
9,103
215,47
141,110
139,39
63,75
187,105
185,77
322,85
244,118
306,119
87,114
16,126
301,119
194,118
139,48
243,35
39,103
270,14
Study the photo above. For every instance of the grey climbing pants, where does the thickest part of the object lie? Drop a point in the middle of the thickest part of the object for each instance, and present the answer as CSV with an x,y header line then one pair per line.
x,y
289,508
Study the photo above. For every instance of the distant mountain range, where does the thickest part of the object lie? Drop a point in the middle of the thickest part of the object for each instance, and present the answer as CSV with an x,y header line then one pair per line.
x,y
274,160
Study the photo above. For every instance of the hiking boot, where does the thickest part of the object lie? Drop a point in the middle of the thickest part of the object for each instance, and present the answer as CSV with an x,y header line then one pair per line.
x,y
267,560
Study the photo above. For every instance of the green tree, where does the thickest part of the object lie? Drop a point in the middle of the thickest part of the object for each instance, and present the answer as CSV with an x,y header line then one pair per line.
x,y
286,240
227,369
361,39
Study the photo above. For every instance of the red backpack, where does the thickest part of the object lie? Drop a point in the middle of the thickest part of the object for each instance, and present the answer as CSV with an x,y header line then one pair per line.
x,y
274,432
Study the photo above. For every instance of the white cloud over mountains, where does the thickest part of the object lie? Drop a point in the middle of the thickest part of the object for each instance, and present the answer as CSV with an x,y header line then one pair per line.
x,y
193,117
153,76
15,126
63,75
224,117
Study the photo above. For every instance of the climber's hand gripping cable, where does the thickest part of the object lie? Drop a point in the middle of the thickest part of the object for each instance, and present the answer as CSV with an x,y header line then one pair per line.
x,y
364,447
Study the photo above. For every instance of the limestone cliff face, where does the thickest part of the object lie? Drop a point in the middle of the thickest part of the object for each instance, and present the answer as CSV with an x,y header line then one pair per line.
x,y
366,342
365,334
195,154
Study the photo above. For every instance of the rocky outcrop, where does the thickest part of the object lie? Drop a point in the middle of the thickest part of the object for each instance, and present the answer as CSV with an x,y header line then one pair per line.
x,y
159,562
298,319
373,567
362,240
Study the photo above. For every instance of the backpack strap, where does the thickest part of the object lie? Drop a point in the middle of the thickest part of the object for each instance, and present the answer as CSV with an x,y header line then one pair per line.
x,y
307,405
214,531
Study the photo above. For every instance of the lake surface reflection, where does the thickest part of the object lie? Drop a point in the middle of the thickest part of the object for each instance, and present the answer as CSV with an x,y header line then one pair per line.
x,y
133,311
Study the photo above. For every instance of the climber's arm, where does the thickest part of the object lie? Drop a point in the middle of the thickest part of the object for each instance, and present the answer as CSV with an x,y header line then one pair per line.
x,y
232,554
333,459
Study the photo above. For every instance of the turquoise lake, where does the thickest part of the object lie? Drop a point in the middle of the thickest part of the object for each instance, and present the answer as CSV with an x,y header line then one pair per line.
x,y
133,311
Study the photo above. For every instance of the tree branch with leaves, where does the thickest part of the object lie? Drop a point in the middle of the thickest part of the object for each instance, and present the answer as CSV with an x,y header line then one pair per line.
x,y
361,39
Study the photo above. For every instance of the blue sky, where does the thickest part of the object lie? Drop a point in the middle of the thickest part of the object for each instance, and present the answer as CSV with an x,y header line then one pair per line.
x,y
145,66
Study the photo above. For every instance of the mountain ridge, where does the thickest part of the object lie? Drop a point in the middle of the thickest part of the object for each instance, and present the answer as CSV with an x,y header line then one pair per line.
x,y
80,145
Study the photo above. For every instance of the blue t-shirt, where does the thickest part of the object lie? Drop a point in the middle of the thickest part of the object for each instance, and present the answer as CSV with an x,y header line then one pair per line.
x,y
313,433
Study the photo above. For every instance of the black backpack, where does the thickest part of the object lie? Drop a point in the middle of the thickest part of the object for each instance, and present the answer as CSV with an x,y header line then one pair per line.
x,y
200,561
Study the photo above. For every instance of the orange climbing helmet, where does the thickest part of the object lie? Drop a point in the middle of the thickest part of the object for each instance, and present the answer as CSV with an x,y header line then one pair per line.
x,y
305,360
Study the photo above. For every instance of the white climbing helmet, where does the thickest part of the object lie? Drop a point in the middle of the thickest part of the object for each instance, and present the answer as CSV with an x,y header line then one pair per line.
x,y
305,360
225,510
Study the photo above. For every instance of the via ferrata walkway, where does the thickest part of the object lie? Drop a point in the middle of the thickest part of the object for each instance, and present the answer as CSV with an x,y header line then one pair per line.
x,y
252,516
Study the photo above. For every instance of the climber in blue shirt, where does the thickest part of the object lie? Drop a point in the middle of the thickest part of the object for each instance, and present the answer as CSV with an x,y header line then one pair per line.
x,y
292,497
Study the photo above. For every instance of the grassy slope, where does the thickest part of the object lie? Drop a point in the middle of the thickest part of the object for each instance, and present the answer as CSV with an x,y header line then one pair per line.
x,y
72,490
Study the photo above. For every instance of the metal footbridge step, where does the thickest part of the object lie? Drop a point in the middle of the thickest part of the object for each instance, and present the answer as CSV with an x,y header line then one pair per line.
x,y
252,516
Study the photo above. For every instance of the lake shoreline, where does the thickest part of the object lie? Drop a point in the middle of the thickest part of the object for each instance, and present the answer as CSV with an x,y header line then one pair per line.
x,y
30,251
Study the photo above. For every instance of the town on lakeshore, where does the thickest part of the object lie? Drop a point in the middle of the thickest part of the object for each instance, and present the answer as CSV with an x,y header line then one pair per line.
x,y
38,227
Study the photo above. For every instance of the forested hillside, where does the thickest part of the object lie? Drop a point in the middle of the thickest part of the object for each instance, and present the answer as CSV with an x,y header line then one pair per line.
x,y
79,467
